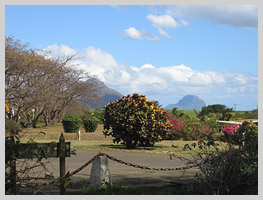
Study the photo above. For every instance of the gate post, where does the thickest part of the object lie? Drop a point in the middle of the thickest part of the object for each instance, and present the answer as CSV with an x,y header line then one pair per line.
x,y
62,163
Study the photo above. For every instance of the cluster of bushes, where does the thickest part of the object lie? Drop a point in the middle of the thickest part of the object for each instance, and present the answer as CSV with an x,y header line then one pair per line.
x,y
90,120
221,112
187,128
232,168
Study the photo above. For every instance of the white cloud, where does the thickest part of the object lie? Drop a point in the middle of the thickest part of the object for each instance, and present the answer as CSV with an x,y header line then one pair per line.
x,y
92,56
245,16
241,79
162,32
133,34
164,21
60,51
165,82
148,66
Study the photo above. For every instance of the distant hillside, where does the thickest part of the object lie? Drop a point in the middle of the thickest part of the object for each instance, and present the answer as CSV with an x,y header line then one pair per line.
x,y
106,94
188,102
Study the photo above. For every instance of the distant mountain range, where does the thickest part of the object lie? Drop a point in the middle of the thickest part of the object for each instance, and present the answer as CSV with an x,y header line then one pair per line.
x,y
106,94
188,102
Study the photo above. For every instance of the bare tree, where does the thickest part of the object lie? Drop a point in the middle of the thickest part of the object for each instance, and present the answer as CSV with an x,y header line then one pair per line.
x,y
46,85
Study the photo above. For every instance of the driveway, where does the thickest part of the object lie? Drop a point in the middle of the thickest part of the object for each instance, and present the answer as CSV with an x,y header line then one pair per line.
x,y
125,175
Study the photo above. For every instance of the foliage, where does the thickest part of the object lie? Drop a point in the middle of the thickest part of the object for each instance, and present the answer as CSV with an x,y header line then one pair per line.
x,y
90,123
231,169
177,113
135,121
242,135
23,167
251,115
221,112
50,86
157,103
71,123
188,129
98,113
12,127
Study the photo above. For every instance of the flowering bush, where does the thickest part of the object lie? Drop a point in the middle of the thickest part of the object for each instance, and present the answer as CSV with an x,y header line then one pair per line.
x,y
241,134
188,129
176,128
134,121
230,130
233,168
176,124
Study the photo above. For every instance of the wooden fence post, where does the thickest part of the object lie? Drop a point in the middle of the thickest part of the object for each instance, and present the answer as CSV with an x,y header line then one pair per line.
x,y
13,171
62,163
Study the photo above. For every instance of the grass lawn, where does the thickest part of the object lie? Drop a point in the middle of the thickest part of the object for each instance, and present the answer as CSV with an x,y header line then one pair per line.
x,y
190,113
96,140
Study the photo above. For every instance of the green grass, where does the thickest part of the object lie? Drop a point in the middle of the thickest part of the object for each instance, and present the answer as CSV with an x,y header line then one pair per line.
x,y
190,113
97,140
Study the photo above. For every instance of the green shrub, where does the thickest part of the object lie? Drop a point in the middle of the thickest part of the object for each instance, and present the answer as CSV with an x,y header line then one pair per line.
x,y
99,114
134,121
231,169
12,127
90,123
71,123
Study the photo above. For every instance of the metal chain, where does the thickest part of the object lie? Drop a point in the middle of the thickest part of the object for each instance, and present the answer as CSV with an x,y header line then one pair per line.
x,y
74,172
121,162
86,164
149,168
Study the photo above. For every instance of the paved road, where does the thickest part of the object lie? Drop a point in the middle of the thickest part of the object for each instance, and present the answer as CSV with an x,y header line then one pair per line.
x,y
127,175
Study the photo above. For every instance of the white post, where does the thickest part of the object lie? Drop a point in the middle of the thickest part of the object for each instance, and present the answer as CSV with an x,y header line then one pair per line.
x,y
100,173
78,135
12,112
33,110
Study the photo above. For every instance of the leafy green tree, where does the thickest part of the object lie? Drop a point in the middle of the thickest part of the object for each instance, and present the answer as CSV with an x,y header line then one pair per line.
x,y
177,113
222,111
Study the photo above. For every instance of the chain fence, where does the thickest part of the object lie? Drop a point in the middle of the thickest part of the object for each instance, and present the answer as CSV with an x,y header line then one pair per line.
x,y
121,162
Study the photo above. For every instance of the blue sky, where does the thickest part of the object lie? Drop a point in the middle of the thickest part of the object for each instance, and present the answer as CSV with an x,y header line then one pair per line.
x,y
164,52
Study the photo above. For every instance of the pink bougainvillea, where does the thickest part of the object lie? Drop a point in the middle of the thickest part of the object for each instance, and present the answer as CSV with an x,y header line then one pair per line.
x,y
188,129
176,124
230,130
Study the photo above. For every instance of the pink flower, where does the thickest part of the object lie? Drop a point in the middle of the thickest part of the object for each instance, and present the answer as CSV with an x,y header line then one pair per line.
x,y
176,124
230,130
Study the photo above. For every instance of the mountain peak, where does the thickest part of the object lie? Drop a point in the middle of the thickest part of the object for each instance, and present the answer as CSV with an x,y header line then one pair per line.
x,y
106,94
188,102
